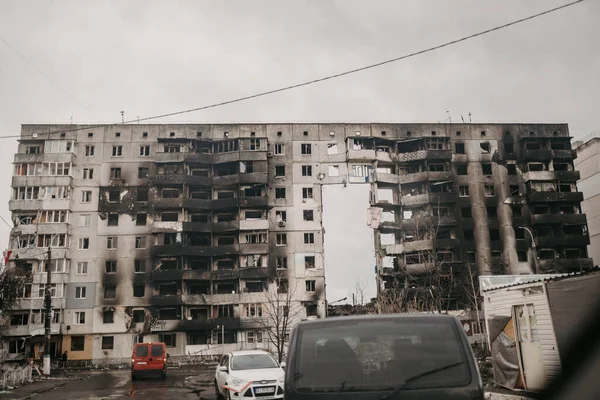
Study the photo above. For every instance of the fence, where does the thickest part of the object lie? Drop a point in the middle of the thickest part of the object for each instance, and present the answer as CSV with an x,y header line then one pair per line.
x,y
16,376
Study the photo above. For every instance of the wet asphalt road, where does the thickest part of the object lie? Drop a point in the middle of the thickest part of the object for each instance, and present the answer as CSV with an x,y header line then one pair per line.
x,y
180,385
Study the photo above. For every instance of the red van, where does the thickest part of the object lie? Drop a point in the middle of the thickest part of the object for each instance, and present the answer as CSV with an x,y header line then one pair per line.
x,y
149,359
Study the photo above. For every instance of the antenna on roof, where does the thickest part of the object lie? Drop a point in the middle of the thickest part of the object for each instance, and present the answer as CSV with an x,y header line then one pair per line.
x,y
122,116
449,117
469,116
461,117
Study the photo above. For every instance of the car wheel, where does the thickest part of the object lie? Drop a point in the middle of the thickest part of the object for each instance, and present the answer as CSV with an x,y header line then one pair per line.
x,y
218,394
133,377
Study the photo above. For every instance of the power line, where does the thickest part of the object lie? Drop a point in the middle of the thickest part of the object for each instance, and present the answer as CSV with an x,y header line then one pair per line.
x,y
326,78
40,72
7,224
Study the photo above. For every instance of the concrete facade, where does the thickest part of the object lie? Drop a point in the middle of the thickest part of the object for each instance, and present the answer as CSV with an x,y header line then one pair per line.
x,y
588,164
174,232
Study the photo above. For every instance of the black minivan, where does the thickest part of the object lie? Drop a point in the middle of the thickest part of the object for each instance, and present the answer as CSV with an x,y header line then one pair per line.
x,y
397,356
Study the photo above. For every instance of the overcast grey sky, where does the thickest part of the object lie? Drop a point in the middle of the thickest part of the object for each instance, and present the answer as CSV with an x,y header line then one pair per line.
x,y
149,57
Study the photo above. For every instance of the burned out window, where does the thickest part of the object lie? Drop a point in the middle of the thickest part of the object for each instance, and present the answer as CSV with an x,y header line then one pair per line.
x,y
281,262
536,167
110,291
108,316
114,196
522,255
463,191
113,219
255,287
279,171
141,219
143,172
494,234
142,194
139,290
139,266
77,343
517,211
489,190
491,212
511,168
469,234
547,254
201,217
466,212
280,193
461,169
139,316
485,147
509,148
459,148
115,173
171,193
486,169
514,190
110,267
169,216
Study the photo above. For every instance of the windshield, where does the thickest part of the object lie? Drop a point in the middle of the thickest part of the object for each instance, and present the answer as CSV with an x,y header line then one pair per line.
x,y
380,355
253,361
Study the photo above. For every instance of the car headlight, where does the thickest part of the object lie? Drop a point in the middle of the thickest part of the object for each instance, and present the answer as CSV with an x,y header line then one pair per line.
x,y
281,379
236,382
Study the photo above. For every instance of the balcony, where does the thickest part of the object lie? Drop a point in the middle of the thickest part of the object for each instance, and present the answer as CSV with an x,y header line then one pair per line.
x,y
209,324
545,155
191,275
543,219
557,241
41,229
162,157
205,227
415,200
566,176
407,247
45,157
382,177
180,179
165,300
425,154
258,201
42,180
254,273
552,197
31,330
224,274
361,155
227,180
383,156
168,275
225,226
160,203
36,253
197,204
167,226
225,298
196,299
254,177
178,249
198,158
565,265
413,177
225,203
440,175
389,227
254,224
254,248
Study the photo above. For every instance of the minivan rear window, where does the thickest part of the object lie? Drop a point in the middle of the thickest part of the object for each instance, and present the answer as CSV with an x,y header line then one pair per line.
x,y
141,351
380,354
157,350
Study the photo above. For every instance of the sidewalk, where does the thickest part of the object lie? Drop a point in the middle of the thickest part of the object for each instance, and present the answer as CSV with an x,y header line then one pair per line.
x,y
32,389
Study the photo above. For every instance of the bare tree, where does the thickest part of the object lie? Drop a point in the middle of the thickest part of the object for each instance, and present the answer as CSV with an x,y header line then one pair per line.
x,y
429,286
360,297
13,281
281,310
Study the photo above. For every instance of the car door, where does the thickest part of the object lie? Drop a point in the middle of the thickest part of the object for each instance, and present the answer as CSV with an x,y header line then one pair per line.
x,y
222,375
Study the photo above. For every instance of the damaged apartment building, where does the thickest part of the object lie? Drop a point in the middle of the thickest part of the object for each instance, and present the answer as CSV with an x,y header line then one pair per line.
x,y
181,233
451,201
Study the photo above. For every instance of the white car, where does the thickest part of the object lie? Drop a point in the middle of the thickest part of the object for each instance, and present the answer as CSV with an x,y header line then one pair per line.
x,y
249,374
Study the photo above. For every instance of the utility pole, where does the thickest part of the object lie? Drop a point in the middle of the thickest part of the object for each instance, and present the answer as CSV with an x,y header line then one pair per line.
x,y
48,319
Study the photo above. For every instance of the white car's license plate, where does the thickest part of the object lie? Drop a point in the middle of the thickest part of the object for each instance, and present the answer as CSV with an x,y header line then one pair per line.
x,y
141,362
264,390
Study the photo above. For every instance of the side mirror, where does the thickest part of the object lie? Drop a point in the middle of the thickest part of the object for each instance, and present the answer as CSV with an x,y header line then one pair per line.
x,y
223,368
282,364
